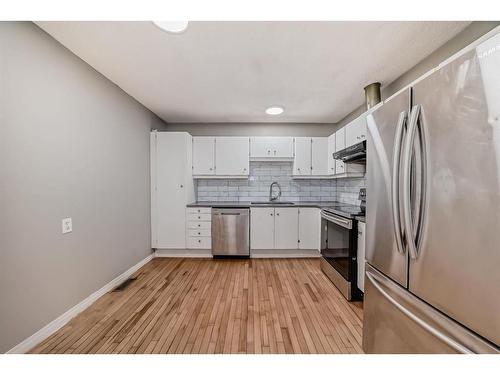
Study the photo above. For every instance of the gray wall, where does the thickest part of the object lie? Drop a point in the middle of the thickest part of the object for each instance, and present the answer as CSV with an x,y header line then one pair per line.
x,y
254,129
71,144
472,32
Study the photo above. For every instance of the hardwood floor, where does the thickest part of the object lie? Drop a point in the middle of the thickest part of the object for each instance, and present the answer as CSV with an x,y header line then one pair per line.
x,y
180,305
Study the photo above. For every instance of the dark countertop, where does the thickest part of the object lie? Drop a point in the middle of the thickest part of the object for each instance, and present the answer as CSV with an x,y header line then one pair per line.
x,y
342,209
248,204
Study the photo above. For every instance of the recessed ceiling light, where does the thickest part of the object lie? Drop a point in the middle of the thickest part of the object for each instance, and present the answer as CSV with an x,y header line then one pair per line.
x,y
172,26
275,110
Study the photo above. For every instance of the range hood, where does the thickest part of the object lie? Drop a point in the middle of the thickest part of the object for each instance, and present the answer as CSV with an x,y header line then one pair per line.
x,y
352,154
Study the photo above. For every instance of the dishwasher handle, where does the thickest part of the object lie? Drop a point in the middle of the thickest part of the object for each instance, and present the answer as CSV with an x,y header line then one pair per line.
x,y
230,212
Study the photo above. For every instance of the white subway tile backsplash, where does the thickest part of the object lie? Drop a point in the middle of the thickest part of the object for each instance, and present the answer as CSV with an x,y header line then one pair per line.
x,y
256,188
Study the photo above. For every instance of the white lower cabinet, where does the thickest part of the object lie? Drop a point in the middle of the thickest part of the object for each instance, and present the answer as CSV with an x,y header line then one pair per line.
x,y
199,228
309,228
286,227
262,228
361,256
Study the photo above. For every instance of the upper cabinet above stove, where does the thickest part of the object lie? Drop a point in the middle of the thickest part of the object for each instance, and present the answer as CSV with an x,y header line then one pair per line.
x,y
355,131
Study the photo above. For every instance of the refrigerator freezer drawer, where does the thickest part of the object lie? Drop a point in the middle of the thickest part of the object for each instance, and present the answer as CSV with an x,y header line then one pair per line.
x,y
395,321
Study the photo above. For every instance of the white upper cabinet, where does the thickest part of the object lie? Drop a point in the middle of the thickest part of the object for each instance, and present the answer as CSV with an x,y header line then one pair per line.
x,y
319,156
331,150
302,160
232,156
271,147
339,145
203,155
355,131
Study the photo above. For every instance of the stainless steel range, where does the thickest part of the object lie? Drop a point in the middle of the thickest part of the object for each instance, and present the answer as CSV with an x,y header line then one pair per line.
x,y
339,246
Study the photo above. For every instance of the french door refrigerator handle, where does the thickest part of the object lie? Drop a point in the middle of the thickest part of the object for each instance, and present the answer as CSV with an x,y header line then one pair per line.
x,y
395,180
447,340
407,154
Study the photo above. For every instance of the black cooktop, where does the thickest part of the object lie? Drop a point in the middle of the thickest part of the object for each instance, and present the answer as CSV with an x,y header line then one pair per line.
x,y
346,210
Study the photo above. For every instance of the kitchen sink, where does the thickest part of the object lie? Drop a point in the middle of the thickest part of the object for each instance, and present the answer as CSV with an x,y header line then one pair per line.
x,y
274,203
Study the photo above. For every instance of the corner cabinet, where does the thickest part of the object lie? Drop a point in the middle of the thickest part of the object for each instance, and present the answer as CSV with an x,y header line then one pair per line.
x,y
302,160
171,188
319,156
309,228
311,157
331,150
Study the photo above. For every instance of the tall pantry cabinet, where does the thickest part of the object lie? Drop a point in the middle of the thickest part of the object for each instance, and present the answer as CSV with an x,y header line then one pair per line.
x,y
172,188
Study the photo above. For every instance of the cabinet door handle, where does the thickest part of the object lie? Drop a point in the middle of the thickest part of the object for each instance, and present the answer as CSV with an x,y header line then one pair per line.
x,y
278,214
274,152
269,152
199,217
271,214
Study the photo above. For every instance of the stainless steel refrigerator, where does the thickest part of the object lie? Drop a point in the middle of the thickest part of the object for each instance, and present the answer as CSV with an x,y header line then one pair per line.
x,y
432,282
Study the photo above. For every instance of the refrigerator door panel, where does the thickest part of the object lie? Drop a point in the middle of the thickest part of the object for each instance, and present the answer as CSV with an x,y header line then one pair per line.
x,y
395,321
456,268
384,237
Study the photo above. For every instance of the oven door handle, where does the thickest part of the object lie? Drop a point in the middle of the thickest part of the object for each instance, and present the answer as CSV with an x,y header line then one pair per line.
x,y
337,220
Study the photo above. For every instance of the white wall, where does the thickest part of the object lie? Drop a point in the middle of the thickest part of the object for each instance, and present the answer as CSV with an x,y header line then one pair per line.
x,y
71,144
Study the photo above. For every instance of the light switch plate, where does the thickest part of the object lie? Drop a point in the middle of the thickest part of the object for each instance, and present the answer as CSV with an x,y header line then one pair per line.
x,y
67,225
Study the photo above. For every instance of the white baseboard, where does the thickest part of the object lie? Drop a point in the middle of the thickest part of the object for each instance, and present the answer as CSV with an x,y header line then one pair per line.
x,y
183,253
59,322
207,253
273,253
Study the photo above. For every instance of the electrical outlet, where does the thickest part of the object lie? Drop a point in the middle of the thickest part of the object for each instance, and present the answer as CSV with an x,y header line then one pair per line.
x,y
67,225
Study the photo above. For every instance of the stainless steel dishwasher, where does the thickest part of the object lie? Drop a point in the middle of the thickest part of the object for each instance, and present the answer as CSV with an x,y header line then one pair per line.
x,y
230,231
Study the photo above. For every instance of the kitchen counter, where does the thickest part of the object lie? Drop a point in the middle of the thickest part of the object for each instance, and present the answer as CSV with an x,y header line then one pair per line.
x,y
342,209
249,204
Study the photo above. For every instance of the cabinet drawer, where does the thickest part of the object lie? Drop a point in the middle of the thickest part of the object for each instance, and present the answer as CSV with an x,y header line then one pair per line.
x,y
199,210
199,225
199,233
199,242
200,217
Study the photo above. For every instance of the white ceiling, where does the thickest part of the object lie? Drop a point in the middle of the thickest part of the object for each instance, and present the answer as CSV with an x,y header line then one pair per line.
x,y
232,71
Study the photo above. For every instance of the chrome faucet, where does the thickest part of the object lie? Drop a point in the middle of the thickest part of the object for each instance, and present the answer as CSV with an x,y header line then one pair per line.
x,y
271,197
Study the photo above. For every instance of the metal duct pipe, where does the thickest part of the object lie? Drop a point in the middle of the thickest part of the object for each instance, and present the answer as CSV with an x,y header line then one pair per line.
x,y
372,95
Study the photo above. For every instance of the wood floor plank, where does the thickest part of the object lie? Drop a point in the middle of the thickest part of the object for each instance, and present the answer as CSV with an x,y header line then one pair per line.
x,y
182,305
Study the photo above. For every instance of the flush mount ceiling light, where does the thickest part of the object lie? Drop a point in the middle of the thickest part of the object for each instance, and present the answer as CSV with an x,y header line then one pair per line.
x,y
175,27
275,110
